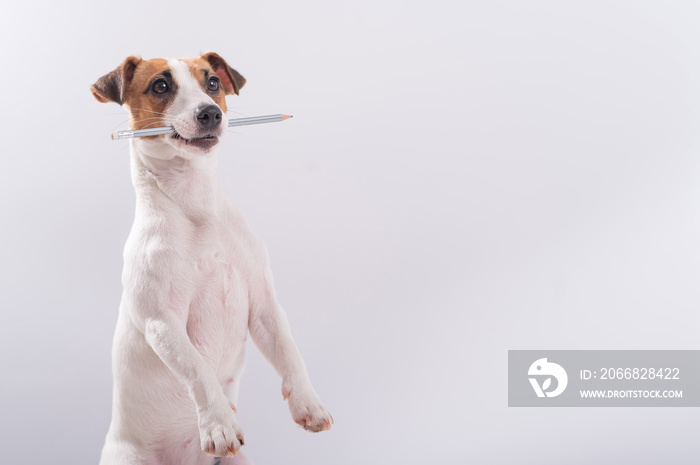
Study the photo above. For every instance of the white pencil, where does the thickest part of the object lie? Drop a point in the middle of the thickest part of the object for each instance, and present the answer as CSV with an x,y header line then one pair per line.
x,y
128,134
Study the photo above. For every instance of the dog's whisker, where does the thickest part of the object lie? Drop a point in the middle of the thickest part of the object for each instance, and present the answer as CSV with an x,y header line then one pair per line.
x,y
150,111
137,121
166,121
236,112
149,117
156,120
119,125
150,125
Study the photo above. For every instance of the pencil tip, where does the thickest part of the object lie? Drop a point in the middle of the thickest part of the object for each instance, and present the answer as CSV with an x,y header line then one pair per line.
x,y
284,117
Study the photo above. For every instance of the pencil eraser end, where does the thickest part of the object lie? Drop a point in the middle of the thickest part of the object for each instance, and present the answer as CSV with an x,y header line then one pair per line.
x,y
114,136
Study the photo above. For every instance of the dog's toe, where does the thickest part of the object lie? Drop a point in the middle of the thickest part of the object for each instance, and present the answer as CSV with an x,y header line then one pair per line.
x,y
220,435
309,413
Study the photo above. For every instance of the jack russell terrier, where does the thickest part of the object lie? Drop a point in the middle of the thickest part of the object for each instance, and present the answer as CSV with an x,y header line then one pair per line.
x,y
196,280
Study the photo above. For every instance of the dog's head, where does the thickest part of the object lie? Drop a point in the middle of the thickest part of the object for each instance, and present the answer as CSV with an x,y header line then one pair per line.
x,y
187,93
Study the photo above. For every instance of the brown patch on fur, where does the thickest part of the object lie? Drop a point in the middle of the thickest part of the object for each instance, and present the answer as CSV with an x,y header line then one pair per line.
x,y
230,78
112,87
147,109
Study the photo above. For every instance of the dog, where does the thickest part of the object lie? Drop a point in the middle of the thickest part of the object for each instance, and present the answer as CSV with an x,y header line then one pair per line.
x,y
196,280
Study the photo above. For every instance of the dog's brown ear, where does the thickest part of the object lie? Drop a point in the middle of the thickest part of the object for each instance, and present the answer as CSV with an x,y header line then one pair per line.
x,y
112,87
230,78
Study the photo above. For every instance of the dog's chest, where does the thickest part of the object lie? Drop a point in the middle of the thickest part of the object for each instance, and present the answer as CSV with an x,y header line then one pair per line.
x,y
218,313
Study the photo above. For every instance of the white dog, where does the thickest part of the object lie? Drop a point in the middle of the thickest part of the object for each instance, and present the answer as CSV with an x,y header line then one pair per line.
x,y
196,280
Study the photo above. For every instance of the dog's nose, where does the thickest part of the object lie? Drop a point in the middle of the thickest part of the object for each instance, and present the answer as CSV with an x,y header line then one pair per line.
x,y
208,116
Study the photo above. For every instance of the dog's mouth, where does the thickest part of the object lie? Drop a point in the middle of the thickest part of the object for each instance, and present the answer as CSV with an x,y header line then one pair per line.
x,y
205,143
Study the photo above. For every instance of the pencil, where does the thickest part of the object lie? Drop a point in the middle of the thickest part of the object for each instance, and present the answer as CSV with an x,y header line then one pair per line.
x,y
131,133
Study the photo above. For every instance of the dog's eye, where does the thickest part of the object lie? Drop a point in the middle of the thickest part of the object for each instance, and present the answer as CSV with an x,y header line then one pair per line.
x,y
213,84
160,86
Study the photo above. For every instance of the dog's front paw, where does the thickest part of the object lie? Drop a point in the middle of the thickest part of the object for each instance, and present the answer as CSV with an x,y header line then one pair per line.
x,y
307,410
219,434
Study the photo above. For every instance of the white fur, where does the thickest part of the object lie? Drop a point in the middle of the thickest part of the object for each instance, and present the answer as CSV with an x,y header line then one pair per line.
x,y
196,280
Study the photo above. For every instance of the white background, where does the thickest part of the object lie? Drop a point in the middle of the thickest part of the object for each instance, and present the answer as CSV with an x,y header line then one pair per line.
x,y
459,179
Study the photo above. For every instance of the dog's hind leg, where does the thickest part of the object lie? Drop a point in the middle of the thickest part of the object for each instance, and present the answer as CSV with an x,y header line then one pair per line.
x,y
123,453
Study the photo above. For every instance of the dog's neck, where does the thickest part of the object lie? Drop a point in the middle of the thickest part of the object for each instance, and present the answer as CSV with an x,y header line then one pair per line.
x,y
189,184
